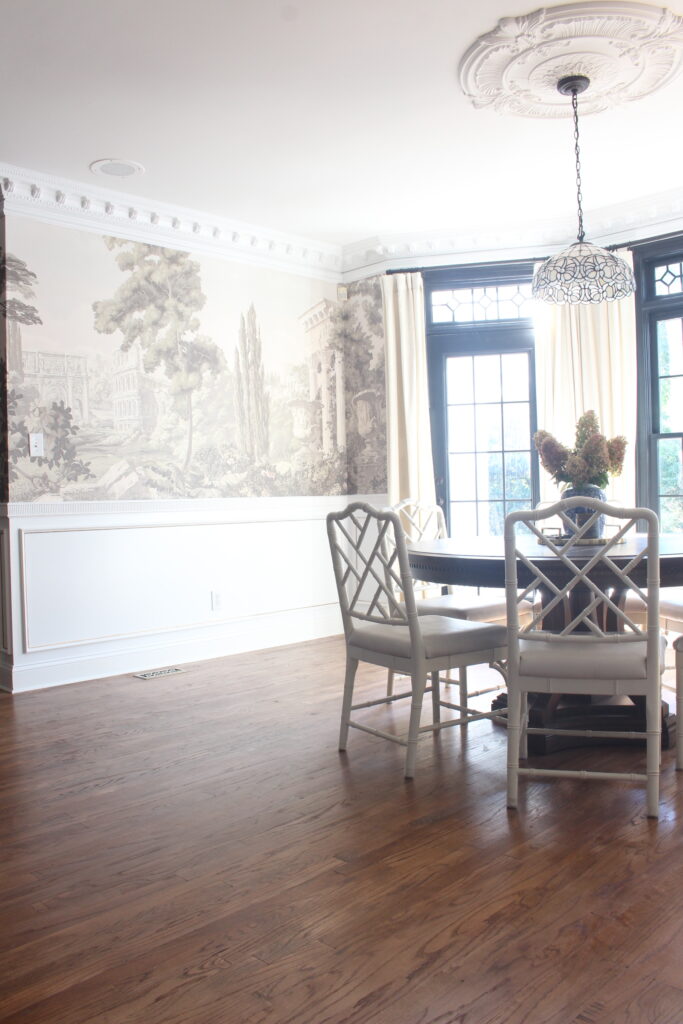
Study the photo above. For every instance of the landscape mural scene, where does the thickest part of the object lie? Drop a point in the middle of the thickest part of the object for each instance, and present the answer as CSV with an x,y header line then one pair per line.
x,y
155,373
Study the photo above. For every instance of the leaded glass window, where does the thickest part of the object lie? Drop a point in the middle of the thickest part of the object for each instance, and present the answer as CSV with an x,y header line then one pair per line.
x,y
490,302
481,372
660,427
668,279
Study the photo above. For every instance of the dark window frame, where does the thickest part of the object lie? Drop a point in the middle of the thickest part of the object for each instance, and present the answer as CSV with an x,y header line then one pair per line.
x,y
477,338
650,309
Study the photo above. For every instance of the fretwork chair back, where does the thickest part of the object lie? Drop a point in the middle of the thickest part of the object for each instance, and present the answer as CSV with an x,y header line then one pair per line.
x,y
601,650
382,627
421,521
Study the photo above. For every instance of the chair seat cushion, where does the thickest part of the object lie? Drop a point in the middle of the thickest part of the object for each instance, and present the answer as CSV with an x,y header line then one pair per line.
x,y
466,603
566,659
442,637
670,607
671,603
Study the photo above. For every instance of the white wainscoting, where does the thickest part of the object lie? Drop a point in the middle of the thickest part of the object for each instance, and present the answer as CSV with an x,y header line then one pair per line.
x,y
109,588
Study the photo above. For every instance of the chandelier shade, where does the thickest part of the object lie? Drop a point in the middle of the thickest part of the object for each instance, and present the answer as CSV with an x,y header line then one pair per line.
x,y
583,273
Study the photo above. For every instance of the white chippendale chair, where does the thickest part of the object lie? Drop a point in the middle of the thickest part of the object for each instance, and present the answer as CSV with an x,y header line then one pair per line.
x,y
421,521
587,656
382,626
678,648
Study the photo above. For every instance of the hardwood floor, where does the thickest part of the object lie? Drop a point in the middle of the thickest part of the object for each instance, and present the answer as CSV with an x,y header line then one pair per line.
x,y
193,850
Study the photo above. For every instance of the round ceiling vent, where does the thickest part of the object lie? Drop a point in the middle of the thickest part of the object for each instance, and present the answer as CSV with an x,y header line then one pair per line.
x,y
627,50
115,167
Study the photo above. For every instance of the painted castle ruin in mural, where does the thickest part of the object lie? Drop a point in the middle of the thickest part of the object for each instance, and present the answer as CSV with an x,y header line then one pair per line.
x,y
168,412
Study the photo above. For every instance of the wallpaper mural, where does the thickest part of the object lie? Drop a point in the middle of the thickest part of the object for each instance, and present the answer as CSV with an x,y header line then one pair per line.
x,y
154,373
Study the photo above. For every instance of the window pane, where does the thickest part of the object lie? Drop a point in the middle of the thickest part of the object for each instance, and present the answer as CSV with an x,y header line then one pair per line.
x,y
491,518
490,475
671,515
516,426
479,304
459,380
487,378
668,279
670,466
518,477
463,518
515,377
489,428
670,405
461,428
670,347
514,506
441,310
462,477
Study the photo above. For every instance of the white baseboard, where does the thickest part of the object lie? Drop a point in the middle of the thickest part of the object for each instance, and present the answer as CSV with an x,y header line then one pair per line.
x,y
255,633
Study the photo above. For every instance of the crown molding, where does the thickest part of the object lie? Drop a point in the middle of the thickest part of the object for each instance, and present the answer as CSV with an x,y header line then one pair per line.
x,y
110,212
648,217
107,212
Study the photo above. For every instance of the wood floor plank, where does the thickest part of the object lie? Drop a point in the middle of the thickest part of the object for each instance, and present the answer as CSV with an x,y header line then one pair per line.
x,y
194,850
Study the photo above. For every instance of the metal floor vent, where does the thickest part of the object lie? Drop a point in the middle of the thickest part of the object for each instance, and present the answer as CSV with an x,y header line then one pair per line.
x,y
156,672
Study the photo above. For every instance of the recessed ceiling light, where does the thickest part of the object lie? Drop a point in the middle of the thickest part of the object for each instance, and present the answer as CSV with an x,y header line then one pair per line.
x,y
116,167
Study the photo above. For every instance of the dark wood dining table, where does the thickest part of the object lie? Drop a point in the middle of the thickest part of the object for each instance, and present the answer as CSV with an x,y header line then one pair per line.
x,y
480,562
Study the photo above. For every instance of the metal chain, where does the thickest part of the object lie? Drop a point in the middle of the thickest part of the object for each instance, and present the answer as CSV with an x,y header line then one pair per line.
x,y
579,196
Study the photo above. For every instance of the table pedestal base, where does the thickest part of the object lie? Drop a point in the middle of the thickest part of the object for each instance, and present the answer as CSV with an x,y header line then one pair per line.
x,y
621,714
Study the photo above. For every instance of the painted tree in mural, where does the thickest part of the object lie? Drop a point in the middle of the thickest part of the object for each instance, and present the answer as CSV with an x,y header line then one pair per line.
x,y
24,412
253,412
358,336
157,307
19,279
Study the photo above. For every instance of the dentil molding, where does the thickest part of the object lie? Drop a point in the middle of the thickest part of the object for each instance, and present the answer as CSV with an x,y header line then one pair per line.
x,y
111,212
108,212
636,220
627,50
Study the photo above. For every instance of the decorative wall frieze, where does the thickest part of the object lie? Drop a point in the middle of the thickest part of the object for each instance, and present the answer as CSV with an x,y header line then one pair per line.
x,y
627,50
91,208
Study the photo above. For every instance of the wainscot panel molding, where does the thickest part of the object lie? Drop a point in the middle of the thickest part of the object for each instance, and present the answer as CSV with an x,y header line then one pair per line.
x,y
5,603
108,211
120,587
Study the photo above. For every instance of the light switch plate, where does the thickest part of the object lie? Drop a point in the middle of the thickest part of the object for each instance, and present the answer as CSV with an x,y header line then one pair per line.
x,y
36,448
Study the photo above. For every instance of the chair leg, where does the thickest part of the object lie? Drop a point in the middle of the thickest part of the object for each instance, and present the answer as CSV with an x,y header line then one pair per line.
x,y
436,698
524,725
654,745
418,680
351,667
514,722
462,688
678,645
390,682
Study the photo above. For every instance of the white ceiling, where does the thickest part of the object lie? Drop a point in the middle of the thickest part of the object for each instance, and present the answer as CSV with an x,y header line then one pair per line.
x,y
338,120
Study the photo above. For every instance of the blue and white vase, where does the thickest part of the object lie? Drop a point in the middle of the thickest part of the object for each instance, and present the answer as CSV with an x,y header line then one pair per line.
x,y
579,514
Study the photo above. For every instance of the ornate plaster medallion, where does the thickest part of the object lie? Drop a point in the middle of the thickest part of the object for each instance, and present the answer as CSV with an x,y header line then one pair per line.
x,y
627,50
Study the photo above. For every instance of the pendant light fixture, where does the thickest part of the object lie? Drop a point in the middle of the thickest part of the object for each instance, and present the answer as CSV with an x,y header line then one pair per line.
x,y
584,272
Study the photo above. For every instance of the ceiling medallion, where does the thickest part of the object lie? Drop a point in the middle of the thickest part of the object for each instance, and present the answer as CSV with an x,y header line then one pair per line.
x,y
628,50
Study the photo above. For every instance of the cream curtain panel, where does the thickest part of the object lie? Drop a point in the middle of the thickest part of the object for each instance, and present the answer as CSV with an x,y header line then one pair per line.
x,y
410,470
586,359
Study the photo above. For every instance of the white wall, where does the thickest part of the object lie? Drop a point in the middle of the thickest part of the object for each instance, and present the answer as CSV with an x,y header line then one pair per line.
x,y
105,589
